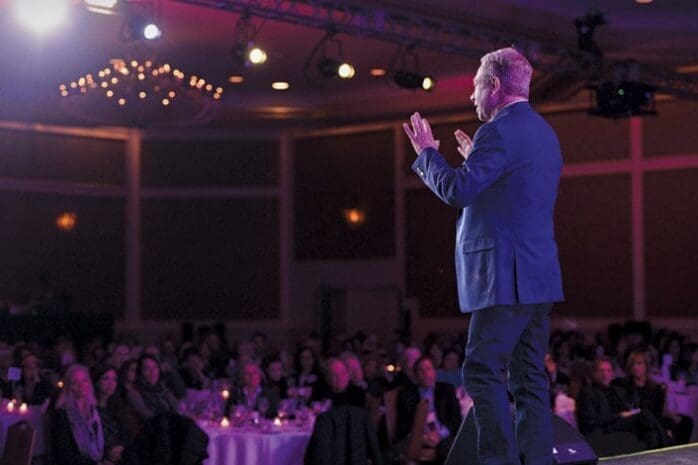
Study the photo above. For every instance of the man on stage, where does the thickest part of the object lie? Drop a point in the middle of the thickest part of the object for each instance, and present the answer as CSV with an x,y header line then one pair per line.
x,y
506,256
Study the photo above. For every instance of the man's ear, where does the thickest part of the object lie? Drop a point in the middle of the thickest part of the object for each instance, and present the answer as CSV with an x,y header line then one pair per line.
x,y
496,84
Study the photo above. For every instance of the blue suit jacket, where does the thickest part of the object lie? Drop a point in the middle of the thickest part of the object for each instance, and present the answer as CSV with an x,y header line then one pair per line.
x,y
505,242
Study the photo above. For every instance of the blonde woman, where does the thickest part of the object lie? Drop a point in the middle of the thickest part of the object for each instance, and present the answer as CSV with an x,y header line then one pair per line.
x,y
76,426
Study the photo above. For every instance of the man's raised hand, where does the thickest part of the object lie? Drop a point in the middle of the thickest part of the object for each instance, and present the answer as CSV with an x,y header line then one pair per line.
x,y
465,144
420,134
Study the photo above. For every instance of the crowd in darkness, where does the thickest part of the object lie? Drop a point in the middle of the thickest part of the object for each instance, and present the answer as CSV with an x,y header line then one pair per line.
x,y
101,397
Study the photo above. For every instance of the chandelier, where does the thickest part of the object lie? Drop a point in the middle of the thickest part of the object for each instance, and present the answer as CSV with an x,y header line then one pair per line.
x,y
141,93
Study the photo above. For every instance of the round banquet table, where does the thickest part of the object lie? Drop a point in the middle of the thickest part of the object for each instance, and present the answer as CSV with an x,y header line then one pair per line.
x,y
248,446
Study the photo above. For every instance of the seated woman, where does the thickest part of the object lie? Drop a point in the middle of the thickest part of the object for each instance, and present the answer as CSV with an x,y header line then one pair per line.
x,y
307,373
76,428
111,412
150,396
33,389
642,392
252,395
274,371
192,371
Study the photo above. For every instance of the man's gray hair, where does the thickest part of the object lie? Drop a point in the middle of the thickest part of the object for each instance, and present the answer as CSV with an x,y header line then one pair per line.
x,y
511,67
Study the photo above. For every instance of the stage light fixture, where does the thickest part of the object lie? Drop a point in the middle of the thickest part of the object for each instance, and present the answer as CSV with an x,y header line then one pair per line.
x,y
411,80
246,52
41,16
139,27
409,76
586,26
623,99
151,31
106,7
256,55
328,65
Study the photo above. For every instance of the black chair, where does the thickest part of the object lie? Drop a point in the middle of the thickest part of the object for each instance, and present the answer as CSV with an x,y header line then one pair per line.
x,y
343,436
19,444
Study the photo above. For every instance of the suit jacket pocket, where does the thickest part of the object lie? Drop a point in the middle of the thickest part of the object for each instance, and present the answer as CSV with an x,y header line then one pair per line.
x,y
478,245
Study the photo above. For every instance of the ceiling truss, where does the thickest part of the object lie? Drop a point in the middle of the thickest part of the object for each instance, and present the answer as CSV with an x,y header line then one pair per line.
x,y
446,33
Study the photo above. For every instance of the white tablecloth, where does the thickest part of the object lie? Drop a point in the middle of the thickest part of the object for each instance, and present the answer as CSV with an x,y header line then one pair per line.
x,y
35,420
685,401
229,446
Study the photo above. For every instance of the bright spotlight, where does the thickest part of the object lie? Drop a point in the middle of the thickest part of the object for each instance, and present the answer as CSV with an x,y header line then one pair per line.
x,y
330,67
151,31
139,27
412,80
346,71
257,56
41,15
428,83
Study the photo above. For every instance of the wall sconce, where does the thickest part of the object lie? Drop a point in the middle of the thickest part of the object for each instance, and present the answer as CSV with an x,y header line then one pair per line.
x,y
66,221
354,217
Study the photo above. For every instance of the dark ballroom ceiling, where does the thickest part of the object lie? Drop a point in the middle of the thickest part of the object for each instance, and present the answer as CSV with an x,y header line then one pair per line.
x,y
198,35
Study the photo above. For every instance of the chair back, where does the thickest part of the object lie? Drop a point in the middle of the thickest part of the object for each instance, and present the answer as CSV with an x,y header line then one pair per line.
x,y
416,451
343,436
19,445
374,410
390,401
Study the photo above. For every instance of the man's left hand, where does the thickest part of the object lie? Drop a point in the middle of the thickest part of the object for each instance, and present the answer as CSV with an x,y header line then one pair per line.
x,y
420,134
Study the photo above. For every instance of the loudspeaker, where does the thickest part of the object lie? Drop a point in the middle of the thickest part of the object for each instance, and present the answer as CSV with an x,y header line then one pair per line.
x,y
569,447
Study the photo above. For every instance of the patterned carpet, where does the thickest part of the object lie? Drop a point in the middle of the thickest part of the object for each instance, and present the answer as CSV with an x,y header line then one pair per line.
x,y
679,455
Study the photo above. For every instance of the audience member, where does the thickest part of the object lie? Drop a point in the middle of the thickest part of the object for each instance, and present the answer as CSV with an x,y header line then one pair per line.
x,y
252,395
5,364
76,428
119,354
128,375
33,388
192,371
444,414
374,373
559,381
274,371
112,412
691,374
450,371
356,373
642,392
603,407
337,387
307,368
150,396
405,375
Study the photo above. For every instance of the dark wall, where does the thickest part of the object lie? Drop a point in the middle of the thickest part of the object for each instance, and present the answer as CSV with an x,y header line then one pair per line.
x,y
85,266
210,258
333,174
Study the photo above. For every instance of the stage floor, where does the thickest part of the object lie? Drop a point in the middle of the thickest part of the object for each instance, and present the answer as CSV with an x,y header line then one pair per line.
x,y
678,455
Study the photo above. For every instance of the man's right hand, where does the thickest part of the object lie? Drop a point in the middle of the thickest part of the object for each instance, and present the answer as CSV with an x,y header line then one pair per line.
x,y
465,144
